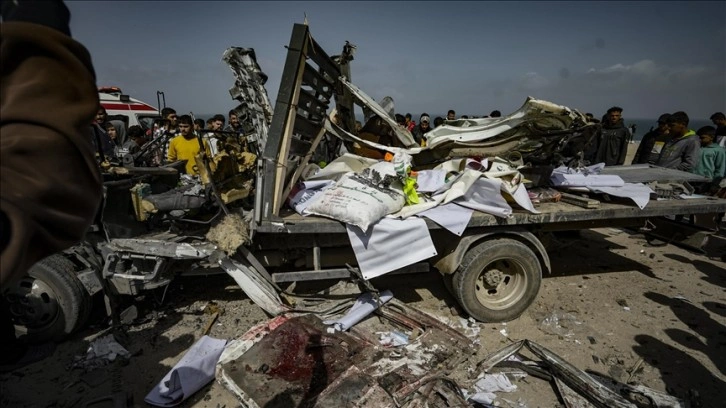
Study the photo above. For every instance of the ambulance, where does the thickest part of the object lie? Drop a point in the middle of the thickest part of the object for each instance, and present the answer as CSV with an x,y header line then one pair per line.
x,y
127,109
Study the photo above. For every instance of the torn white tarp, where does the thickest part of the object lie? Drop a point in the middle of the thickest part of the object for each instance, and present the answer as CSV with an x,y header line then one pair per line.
x,y
639,193
344,164
486,386
569,177
521,197
190,374
428,181
485,196
303,193
364,305
451,216
390,244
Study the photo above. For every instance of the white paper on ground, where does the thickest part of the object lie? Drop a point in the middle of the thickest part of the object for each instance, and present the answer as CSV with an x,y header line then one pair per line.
x,y
390,244
485,196
639,193
189,375
451,216
486,386
364,305
429,181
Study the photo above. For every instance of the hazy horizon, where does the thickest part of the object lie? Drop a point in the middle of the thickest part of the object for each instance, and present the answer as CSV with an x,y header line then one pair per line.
x,y
474,57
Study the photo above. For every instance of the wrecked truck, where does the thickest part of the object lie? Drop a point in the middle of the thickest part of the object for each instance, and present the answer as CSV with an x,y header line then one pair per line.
x,y
154,230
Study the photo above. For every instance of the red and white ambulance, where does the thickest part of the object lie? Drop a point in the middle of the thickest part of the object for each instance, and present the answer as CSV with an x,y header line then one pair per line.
x,y
127,109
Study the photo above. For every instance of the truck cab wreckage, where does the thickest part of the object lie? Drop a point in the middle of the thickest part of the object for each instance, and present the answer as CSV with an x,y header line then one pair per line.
x,y
156,224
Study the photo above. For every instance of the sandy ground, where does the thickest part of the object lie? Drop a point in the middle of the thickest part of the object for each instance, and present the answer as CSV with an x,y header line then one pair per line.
x,y
625,304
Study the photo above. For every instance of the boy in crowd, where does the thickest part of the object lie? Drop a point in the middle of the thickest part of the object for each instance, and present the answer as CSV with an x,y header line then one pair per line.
x,y
712,157
681,150
186,145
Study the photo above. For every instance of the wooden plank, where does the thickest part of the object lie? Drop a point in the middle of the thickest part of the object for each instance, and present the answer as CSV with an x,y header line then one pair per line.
x,y
579,201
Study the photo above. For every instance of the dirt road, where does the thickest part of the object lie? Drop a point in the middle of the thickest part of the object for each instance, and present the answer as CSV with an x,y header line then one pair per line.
x,y
654,315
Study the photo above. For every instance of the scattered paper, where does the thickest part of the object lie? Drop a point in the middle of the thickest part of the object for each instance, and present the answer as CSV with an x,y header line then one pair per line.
x,y
430,180
638,192
189,375
485,387
390,244
485,196
364,305
451,216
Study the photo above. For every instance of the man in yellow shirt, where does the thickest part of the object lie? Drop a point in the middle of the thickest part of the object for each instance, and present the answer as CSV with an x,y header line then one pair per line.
x,y
186,145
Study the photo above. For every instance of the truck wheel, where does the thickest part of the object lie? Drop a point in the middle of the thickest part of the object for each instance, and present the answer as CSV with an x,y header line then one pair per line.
x,y
48,303
497,280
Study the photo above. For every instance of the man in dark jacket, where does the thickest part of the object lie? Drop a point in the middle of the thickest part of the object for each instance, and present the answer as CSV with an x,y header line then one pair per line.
x,y
653,142
683,148
613,146
50,185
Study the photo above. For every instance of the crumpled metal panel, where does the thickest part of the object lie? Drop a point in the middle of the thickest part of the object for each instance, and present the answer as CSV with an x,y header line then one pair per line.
x,y
165,249
254,110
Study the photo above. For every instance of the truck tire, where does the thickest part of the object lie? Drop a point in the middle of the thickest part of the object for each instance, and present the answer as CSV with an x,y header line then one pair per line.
x,y
49,303
497,280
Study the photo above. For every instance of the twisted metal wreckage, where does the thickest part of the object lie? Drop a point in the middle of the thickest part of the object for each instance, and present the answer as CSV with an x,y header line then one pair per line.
x,y
155,225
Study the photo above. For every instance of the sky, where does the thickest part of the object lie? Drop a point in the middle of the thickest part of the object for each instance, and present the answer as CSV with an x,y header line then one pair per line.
x,y
473,57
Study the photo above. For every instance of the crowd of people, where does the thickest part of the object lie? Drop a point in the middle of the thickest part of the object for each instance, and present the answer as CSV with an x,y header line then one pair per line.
x,y
671,144
112,140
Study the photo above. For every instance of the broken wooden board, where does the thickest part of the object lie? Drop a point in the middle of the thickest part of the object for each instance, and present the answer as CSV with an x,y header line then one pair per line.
x,y
579,201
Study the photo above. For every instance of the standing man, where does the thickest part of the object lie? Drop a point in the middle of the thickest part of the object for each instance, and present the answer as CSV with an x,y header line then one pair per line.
x,y
719,120
653,142
170,115
682,149
422,128
451,115
50,184
613,146
234,125
186,145
215,141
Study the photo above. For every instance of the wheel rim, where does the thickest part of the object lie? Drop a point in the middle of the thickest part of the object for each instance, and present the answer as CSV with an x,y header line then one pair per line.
x,y
33,303
501,284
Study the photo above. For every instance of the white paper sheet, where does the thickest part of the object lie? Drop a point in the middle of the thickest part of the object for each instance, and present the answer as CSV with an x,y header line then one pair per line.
x,y
430,180
639,193
390,244
189,375
485,196
593,180
363,306
587,177
485,387
451,216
